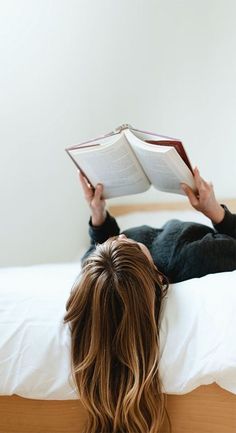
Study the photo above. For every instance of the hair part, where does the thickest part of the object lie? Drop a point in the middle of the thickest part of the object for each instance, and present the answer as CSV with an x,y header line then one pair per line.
x,y
113,311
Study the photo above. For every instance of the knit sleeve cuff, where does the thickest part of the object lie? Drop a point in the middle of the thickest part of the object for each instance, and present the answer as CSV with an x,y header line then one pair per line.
x,y
226,225
107,229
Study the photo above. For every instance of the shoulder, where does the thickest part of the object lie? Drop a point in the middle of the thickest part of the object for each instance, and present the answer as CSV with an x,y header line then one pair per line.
x,y
143,233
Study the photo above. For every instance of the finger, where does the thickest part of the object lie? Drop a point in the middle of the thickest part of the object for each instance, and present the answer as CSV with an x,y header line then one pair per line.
x,y
98,193
198,179
85,185
83,179
190,194
200,182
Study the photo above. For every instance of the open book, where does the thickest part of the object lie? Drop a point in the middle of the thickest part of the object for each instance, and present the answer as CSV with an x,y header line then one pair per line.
x,y
128,161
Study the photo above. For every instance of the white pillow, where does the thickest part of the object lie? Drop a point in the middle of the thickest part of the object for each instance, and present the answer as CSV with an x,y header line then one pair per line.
x,y
197,332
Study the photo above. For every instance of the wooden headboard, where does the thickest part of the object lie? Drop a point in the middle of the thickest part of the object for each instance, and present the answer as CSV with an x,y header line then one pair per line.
x,y
122,209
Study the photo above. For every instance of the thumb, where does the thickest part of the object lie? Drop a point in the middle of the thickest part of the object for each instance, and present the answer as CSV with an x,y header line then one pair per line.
x,y
190,194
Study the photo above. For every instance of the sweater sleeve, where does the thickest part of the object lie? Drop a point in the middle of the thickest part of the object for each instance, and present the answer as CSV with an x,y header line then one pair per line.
x,y
99,234
228,225
197,253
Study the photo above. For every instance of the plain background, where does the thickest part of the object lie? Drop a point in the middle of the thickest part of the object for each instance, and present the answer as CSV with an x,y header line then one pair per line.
x,y
72,70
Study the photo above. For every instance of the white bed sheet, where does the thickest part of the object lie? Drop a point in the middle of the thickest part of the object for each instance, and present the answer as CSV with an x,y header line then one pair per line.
x,y
197,334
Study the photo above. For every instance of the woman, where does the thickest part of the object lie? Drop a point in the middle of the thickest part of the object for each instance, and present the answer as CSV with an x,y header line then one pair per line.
x,y
114,307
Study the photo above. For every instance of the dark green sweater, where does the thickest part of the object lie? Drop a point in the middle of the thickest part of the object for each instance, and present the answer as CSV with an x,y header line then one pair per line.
x,y
181,250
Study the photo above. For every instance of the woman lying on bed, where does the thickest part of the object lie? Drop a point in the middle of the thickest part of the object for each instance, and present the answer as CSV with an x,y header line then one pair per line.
x,y
114,307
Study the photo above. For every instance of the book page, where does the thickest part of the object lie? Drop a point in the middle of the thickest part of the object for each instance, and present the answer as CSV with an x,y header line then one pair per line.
x,y
145,135
114,165
163,165
106,139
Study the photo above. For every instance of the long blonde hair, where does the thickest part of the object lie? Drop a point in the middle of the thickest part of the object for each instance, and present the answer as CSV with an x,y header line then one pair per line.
x,y
113,311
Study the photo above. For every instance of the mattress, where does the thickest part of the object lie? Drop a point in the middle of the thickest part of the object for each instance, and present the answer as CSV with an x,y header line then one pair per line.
x,y
197,329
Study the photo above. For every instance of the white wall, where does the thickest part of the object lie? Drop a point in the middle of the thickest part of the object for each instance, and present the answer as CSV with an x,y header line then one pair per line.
x,y
73,69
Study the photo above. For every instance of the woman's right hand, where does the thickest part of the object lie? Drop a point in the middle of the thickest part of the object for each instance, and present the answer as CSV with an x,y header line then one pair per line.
x,y
204,199
95,200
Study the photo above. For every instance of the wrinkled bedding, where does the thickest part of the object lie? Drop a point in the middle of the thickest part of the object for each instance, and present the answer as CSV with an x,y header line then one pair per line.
x,y
197,332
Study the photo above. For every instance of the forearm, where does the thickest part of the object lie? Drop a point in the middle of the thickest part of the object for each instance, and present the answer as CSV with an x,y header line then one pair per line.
x,y
97,219
228,224
100,233
216,213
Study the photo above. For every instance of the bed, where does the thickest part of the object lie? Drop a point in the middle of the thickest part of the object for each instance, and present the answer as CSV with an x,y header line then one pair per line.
x,y
197,340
